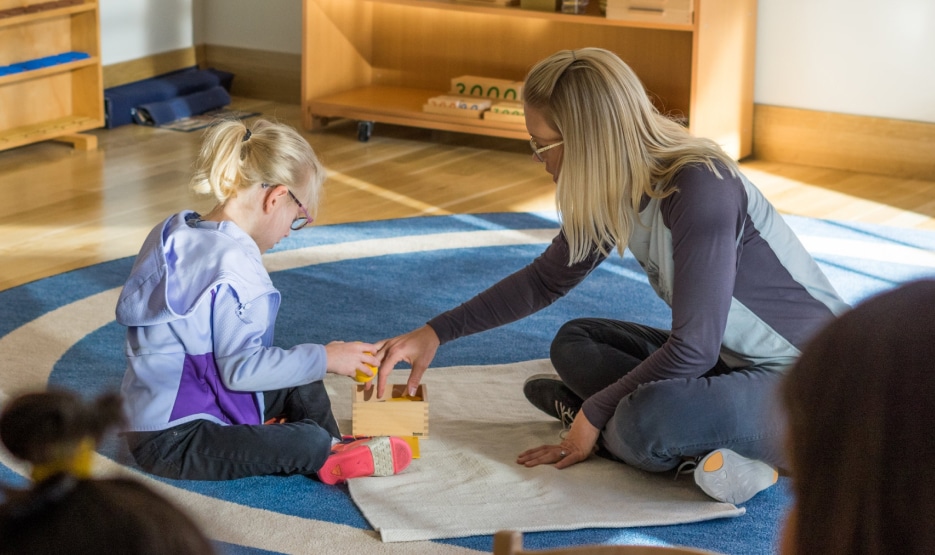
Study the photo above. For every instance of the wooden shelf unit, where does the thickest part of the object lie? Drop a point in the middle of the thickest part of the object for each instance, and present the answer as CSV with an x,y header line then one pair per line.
x,y
53,102
379,60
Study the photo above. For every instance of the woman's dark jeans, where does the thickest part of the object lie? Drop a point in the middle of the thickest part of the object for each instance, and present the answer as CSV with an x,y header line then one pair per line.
x,y
663,423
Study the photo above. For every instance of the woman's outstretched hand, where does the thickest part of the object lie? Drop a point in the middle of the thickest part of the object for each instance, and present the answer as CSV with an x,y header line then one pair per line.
x,y
577,446
417,347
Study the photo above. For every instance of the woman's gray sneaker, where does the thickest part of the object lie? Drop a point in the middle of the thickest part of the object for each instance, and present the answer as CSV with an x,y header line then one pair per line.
x,y
732,478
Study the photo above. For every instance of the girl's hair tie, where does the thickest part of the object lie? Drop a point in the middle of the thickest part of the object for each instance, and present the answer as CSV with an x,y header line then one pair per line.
x,y
75,462
247,135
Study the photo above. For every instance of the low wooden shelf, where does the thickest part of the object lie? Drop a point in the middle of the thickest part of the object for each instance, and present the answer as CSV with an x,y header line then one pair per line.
x,y
56,101
380,60
403,106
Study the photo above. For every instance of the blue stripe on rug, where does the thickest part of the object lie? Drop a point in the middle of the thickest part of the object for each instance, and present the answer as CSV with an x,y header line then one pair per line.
x,y
379,296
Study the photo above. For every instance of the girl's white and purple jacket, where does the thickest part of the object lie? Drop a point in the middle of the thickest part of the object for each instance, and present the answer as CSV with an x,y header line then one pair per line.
x,y
200,309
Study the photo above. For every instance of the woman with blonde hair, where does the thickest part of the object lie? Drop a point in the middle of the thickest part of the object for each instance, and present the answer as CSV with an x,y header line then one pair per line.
x,y
203,377
745,295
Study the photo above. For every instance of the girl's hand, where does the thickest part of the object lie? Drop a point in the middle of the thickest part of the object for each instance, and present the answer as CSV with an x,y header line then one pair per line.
x,y
346,358
577,446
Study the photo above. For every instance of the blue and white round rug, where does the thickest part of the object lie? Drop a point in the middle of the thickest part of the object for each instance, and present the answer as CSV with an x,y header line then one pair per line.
x,y
373,280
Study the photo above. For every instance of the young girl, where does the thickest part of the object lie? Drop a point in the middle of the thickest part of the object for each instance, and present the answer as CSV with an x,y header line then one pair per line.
x,y
203,375
66,510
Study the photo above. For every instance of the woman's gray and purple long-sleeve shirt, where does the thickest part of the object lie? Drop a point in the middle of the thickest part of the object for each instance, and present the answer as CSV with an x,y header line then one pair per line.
x,y
740,284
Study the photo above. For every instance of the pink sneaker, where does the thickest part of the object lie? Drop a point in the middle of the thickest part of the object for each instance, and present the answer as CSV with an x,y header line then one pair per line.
x,y
378,456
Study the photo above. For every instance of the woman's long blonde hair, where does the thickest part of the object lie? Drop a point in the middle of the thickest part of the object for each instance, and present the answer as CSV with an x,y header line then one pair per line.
x,y
234,157
617,147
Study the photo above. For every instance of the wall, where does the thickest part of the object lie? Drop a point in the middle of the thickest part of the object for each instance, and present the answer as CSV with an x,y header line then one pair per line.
x,y
862,57
270,25
133,29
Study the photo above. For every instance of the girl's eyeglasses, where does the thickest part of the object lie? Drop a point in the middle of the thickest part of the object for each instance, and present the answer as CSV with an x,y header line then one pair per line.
x,y
300,222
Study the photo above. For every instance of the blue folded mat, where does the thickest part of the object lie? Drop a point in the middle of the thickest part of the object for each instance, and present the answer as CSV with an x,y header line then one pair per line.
x,y
46,61
120,101
166,111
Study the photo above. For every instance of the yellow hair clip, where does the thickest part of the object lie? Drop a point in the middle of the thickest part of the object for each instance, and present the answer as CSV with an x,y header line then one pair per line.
x,y
76,463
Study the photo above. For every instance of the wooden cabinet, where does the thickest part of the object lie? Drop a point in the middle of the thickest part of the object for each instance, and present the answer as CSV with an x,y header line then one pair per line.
x,y
59,100
380,60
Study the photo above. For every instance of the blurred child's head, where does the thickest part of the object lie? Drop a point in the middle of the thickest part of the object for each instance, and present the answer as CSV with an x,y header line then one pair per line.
x,y
56,431
861,404
67,511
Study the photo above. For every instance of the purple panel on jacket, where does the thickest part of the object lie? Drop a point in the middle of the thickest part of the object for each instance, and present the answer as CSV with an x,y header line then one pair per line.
x,y
201,391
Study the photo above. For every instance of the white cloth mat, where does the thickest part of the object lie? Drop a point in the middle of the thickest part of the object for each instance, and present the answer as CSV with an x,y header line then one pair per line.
x,y
467,481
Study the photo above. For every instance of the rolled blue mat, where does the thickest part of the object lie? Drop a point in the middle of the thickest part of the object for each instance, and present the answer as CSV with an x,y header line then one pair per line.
x,y
120,101
166,111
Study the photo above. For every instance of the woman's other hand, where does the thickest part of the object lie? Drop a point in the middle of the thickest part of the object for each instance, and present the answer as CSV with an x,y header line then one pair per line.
x,y
577,446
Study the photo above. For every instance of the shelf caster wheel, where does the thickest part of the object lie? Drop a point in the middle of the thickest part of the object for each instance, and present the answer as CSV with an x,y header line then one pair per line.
x,y
364,130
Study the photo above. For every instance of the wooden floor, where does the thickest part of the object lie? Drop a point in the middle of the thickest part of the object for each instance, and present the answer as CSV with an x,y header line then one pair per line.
x,y
62,209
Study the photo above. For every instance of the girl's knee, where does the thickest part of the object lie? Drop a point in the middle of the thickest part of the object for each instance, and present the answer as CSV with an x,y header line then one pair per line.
x,y
150,460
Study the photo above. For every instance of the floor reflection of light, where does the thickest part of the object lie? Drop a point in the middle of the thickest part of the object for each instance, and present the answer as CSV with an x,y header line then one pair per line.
x,y
626,537
360,185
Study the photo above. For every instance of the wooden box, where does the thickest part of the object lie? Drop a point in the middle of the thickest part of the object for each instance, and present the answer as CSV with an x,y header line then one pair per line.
x,y
397,414
659,11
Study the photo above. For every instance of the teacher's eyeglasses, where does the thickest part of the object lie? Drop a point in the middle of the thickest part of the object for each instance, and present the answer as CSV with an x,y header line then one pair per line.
x,y
538,150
